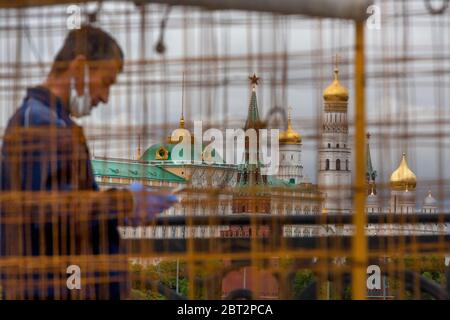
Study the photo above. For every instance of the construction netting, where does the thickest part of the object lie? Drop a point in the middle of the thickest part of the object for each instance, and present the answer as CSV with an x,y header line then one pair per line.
x,y
307,154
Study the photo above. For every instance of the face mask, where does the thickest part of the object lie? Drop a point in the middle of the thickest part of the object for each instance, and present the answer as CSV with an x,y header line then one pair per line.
x,y
80,106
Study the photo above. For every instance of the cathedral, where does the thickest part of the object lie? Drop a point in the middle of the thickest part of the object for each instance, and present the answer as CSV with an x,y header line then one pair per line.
x,y
287,193
157,168
242,189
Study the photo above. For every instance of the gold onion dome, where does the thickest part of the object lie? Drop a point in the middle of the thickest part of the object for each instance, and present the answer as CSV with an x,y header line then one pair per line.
x,y
290,136
335,92
184,135
403,178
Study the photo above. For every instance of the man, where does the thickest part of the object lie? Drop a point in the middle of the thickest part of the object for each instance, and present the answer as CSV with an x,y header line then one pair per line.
x,y
48,208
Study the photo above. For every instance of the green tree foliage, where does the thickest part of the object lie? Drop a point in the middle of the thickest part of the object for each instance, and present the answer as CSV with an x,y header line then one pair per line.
x,y
166,272
302,279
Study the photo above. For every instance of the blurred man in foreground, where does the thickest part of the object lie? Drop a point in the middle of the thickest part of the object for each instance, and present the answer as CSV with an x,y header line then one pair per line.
x,y
51,205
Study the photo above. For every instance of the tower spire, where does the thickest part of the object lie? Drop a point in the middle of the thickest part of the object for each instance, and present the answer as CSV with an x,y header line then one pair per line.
x,y
182,106
253,120
289,117
336,67
138,154
182,123
249,174
371,174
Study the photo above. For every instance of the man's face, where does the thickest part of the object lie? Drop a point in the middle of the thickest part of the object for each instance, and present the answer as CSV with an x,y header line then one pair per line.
x,y
102,76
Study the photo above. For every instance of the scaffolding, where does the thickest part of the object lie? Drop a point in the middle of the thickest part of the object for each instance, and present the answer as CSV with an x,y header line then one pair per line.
x,y
235,232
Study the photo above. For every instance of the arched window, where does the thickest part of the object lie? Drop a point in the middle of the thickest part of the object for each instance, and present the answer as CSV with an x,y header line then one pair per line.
x,y
329,145
338,164
327,164
346,164
337,145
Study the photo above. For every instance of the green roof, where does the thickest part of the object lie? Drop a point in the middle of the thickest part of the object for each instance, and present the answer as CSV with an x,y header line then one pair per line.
x,y
275,182
133,170
150,153
253,120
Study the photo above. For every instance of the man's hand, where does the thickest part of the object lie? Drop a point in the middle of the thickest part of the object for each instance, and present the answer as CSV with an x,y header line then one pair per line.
x,y
148,203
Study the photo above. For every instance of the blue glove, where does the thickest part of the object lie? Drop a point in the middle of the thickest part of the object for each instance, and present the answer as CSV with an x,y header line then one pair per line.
x,y
148,203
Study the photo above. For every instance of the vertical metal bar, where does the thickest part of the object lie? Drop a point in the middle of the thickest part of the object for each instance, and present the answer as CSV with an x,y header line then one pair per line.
x,y
359,218
178,275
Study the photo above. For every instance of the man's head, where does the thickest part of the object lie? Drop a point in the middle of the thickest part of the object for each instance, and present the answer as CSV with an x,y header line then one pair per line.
x,y
87,49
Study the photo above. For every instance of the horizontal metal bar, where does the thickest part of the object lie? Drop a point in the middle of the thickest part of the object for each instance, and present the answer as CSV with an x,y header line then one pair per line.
x,y
300,219
342,9
239,245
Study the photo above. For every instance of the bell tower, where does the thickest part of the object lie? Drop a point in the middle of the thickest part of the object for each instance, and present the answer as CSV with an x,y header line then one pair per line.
x,y
334,176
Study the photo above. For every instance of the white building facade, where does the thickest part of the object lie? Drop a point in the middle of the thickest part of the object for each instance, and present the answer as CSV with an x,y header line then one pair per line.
x,y
334,154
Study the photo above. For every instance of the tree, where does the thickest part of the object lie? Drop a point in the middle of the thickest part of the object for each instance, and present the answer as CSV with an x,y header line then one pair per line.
x,y
166,272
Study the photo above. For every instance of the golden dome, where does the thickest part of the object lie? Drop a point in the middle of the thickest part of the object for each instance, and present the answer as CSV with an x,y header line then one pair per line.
x,y
335,92
290,136
184,135
403,178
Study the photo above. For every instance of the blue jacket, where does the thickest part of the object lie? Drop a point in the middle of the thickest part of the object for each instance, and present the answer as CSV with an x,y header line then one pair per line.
x,y
50,135
45,150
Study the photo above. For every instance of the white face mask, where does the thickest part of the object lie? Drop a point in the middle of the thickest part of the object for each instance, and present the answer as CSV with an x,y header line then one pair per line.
x,y
80,106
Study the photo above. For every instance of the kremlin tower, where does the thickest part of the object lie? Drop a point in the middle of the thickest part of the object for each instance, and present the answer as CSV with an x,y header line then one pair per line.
x,y
334,173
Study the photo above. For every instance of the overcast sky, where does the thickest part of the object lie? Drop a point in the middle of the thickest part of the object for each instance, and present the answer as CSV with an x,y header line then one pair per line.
x,y
408,64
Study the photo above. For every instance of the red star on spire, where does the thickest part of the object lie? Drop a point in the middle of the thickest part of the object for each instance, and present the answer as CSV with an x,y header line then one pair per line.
x,y
254,80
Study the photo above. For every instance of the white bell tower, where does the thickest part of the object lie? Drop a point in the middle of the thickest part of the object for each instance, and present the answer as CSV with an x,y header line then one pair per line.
x,y
334,176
